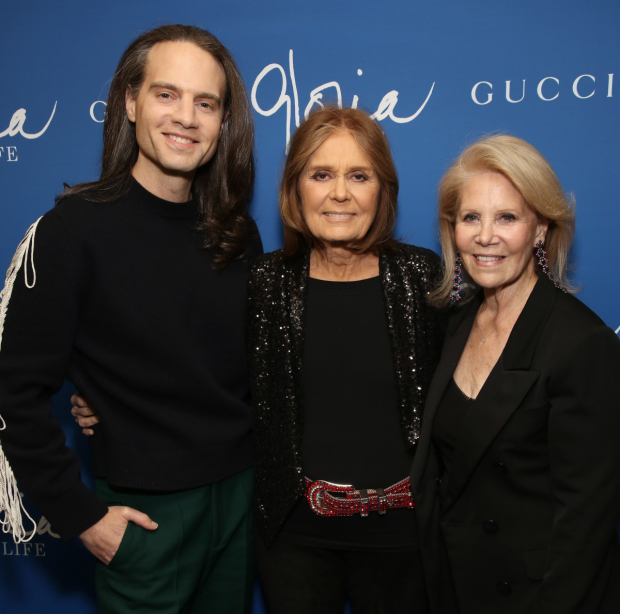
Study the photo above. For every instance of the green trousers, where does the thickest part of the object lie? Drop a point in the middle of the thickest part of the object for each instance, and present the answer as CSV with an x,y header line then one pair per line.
x,y
199,560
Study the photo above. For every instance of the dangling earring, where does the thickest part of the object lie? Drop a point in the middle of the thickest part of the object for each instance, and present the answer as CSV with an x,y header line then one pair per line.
x,y
457,280
541,254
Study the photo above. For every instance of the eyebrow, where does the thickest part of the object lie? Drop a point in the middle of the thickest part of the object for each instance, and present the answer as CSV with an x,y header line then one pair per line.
x,y
174,88
329,167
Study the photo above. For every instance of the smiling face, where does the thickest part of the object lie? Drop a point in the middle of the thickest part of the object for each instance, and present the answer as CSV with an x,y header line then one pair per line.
x,y
339,191
178,112
496,232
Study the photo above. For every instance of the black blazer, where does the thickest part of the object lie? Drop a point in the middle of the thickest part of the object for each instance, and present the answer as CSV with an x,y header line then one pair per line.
x,y
275,333
529,521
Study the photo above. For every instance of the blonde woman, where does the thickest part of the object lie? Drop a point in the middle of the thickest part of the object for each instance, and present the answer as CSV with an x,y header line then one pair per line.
x,y
517,473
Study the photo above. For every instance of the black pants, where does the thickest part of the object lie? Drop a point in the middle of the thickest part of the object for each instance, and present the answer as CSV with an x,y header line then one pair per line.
x,y
306,580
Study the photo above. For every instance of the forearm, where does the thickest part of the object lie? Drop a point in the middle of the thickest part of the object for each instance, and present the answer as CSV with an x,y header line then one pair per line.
x,y
40,315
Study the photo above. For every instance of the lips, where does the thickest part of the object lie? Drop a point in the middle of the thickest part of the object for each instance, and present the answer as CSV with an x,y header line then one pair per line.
x,y
336,216
488,258
180,139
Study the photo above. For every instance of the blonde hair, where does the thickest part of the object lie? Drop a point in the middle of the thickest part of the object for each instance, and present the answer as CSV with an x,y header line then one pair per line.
x,y
532,176
307,139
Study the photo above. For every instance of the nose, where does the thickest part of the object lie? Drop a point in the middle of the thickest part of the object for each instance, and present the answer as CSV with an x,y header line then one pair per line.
x,y
184,113
340,190
486,234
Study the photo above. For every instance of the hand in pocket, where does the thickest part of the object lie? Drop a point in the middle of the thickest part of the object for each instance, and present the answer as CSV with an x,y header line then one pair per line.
x,y
104,538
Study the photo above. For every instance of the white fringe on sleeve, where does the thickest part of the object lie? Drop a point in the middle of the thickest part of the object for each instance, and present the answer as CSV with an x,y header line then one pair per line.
x,y
11,504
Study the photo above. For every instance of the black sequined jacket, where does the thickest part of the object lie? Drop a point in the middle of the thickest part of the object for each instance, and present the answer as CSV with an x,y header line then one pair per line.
x,y
276,319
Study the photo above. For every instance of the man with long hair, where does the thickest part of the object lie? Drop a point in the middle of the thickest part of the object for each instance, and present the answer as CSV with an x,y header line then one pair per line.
x,y
135,292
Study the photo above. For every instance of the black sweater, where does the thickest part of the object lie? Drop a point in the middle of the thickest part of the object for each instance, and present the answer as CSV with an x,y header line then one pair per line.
x,y
126,306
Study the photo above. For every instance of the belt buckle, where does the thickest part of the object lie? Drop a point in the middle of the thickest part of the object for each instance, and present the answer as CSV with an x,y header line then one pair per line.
x,y
339,486
382,505
316,490
333,499
363,503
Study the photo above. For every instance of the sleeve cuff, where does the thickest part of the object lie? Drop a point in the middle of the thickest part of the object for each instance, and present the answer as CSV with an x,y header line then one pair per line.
x,y
77,511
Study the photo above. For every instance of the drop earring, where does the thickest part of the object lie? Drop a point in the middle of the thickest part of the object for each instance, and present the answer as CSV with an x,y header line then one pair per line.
x,y
455,293
541,254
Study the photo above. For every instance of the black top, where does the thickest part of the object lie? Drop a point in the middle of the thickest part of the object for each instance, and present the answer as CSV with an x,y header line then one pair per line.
x,y
351,422
447,425
277,295
126,306
534,497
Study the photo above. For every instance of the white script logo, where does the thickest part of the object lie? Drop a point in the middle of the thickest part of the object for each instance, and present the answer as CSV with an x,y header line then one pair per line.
x,y
13,549
16,125
42,528
385,109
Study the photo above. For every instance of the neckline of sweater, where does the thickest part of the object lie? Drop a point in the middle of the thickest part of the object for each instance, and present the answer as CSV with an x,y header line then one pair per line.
x,y
163,208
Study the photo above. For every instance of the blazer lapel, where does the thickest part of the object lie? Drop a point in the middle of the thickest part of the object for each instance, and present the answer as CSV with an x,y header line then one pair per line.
x,y
499,398
400,300
505,388
294,294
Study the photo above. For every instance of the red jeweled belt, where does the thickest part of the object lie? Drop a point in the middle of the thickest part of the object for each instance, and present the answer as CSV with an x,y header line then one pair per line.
x,y
328,499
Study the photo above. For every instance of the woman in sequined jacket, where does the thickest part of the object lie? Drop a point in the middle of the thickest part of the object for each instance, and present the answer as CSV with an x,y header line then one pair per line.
x,y
342,347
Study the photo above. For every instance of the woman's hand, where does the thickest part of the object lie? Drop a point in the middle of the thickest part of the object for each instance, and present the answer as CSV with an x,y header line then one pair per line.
x,y
84,414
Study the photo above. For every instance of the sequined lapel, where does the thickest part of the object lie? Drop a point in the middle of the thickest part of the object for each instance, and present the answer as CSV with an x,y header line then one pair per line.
x,y
403,286
297,283
294,296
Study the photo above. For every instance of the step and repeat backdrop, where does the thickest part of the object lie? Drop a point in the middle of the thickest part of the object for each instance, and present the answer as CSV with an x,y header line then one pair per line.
x,y
435,75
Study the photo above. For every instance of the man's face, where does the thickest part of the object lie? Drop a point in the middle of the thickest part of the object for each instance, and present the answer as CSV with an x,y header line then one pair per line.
x,y
178,112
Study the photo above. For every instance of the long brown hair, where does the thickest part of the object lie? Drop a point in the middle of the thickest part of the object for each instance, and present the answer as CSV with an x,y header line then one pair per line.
x,y
222,187
307,139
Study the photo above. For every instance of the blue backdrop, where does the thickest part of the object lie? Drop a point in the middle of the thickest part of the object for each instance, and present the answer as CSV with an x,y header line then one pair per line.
x,y
436,75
